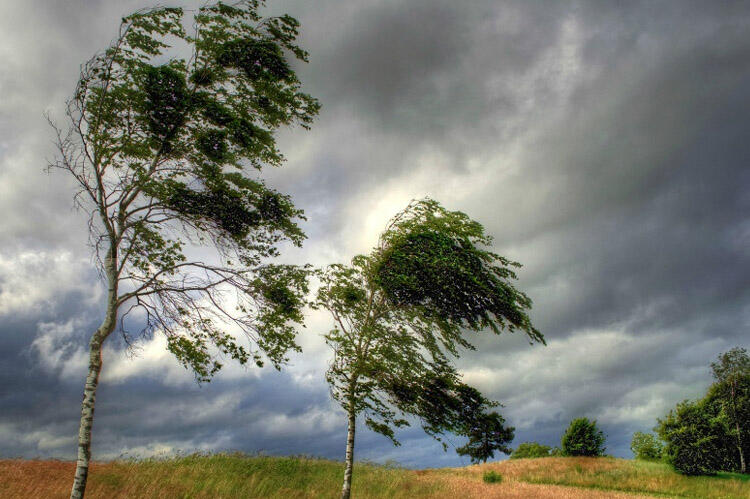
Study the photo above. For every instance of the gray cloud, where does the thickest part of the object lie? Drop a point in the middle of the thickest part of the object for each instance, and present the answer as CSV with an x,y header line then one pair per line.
x,y
602,143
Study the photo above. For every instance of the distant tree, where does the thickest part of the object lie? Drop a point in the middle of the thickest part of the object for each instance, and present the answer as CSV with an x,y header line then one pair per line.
x,y
646,446
157,144
401,313
556,452
583,438
530,450
732,373
487,434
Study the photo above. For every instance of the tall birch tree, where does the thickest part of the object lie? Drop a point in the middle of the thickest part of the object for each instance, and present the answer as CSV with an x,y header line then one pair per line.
x,y
165,135
732,371
400,315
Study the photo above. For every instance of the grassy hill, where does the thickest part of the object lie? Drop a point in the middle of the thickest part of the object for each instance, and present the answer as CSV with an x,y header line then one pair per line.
x,y
231,476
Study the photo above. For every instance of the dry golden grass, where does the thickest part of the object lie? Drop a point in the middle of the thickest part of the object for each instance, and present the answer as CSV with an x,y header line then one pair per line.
x,y
229,476
461,484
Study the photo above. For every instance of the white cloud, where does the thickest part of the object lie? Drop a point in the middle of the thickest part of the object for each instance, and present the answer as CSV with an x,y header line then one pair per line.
x,y
32,281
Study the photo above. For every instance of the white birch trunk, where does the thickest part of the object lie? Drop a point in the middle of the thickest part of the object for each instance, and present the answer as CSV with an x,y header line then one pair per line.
x,y
347,488
92,381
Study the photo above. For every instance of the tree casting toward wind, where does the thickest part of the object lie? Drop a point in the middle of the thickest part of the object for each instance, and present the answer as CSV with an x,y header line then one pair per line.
x,y
400,315
160,143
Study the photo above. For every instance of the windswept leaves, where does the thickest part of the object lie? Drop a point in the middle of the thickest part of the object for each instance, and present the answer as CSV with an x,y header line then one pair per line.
x,y
158,142
433,259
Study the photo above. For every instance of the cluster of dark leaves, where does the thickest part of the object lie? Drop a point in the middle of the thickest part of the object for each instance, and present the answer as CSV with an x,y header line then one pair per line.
x,y
452,279
234,204
257,59
227,133
167,101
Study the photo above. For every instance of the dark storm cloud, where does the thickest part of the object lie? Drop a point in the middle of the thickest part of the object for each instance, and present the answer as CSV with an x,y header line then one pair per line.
x,y
604,144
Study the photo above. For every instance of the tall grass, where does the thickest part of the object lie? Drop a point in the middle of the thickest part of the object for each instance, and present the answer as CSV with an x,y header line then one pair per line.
x,y
211,476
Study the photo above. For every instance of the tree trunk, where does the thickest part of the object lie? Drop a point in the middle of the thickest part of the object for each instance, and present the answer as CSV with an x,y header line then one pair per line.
x,y
347,488
743,469
89,390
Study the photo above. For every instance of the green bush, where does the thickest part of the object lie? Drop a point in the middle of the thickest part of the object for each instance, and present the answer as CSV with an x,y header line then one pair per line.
x,y
583,438
646,446
695,439
530,450
492,477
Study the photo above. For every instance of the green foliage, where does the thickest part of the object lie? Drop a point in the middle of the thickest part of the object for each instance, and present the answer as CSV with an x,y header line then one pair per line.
x,y
492,477
433,260
583,438
646,446
527,450
694,442
159,140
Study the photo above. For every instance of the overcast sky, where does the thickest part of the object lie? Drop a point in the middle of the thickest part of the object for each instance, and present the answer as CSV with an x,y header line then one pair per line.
x,y
605,145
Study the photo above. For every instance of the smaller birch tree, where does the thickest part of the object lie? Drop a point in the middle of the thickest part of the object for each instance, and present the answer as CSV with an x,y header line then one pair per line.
x,y
400,315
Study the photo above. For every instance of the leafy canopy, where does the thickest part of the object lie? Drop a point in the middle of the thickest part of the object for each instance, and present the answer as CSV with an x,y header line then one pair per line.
x,y
432,261
163,127
401,313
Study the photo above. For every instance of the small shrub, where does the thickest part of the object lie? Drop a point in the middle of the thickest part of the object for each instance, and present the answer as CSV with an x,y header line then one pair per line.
x,y
492,477
583,438
646,446
530,450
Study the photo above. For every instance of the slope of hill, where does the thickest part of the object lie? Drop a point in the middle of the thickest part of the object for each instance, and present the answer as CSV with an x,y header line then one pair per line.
x,y
230,476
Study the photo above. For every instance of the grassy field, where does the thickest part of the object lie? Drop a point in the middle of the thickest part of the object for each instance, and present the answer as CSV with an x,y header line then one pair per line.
x,y
230,476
